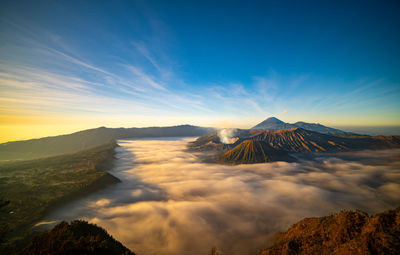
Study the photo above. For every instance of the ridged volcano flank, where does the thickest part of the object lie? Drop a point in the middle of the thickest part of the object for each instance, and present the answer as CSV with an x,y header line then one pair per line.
x,y
251,151
299,140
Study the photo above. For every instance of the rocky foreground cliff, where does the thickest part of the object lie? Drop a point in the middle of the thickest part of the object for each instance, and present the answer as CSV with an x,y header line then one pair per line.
x,y
346,232
76,237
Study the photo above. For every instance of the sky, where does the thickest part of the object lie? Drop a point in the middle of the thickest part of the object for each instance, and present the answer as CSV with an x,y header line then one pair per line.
x,y
71,65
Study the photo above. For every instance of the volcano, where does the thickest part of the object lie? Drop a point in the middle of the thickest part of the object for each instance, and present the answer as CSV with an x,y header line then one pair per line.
x,y
252,151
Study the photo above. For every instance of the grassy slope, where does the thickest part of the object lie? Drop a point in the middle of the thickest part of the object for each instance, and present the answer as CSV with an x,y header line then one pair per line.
x,y
33,186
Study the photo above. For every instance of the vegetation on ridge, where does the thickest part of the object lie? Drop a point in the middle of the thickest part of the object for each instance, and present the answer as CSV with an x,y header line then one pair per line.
x,y
342,233
34,186
77,237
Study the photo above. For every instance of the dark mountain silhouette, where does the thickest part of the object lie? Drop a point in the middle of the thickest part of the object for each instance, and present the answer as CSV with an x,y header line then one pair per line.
x,y
343,233
251,151
274,123
77,237
87,139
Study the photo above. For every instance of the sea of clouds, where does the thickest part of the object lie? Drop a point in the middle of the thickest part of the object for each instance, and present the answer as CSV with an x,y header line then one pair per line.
x,y
171,203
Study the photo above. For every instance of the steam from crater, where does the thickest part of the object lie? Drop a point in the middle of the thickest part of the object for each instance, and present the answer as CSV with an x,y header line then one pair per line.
x,y
226,135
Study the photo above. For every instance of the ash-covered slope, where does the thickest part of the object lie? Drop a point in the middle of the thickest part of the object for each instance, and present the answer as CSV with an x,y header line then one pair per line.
x,y
290,140
300,140
251,151
212,141
343,233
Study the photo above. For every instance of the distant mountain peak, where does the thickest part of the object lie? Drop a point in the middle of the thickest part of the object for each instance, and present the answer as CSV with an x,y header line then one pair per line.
x,y
272,123
273,119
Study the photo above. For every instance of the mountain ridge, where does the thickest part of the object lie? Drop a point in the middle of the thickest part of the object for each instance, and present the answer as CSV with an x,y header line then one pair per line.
x,y
276,124
294,140
87,139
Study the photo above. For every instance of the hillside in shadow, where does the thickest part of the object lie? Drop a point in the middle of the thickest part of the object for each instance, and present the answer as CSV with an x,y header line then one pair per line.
x,y
76,237
88,139
33,187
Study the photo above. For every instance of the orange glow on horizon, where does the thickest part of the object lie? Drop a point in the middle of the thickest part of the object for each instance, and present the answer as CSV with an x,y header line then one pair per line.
x,y
19,127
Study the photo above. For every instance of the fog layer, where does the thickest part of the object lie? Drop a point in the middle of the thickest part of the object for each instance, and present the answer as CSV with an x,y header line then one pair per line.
x,y
171,203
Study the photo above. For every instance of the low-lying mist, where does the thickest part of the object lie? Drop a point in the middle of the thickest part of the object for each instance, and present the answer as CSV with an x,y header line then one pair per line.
x,y
171,203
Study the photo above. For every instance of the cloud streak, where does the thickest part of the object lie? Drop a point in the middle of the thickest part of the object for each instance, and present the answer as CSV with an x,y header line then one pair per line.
x,y
170,203
47,73
72,84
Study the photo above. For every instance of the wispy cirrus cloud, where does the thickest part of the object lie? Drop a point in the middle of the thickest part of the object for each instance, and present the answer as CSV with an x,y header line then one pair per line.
x,y
49,89
47,73
144,78
91,89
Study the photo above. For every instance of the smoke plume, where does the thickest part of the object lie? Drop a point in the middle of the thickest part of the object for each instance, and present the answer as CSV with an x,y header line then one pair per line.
x,y
226,135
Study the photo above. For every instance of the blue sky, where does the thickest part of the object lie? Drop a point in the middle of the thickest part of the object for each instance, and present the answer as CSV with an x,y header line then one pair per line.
x,y
215,63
